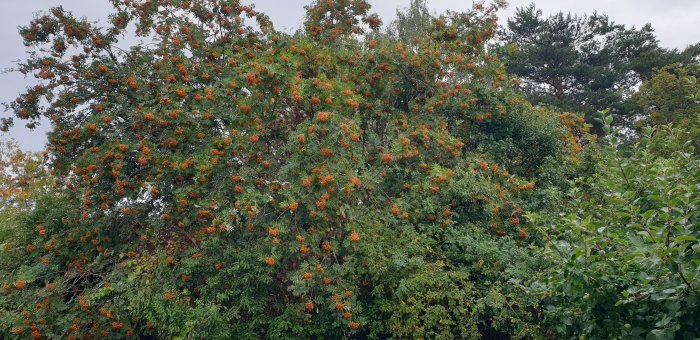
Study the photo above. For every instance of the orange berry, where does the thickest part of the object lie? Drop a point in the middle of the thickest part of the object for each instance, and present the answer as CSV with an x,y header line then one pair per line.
x,y
306,182
395,210
515,221
131,81
353,103
326,152
252,79
269,261
322,117
20,284
387,158
356,182
354,236
523,232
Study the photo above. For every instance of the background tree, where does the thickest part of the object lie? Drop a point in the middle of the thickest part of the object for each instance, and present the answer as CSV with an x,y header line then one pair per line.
x,y
671,96
24,176
582,63
411,23
24,179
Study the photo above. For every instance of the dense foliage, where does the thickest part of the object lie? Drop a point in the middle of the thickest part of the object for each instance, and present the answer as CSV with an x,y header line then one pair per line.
x,y
626,241
221,179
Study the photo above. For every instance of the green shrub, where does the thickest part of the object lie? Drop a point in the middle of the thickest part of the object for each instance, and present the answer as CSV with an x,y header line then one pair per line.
x,y
624,245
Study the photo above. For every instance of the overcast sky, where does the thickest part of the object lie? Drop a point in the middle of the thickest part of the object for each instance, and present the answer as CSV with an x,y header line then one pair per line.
x,y
677,24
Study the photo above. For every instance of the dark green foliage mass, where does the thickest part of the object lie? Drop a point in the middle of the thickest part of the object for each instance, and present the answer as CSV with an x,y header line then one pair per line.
x,y
582,63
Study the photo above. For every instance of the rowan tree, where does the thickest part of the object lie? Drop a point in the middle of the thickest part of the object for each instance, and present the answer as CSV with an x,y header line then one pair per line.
x,y
226,180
